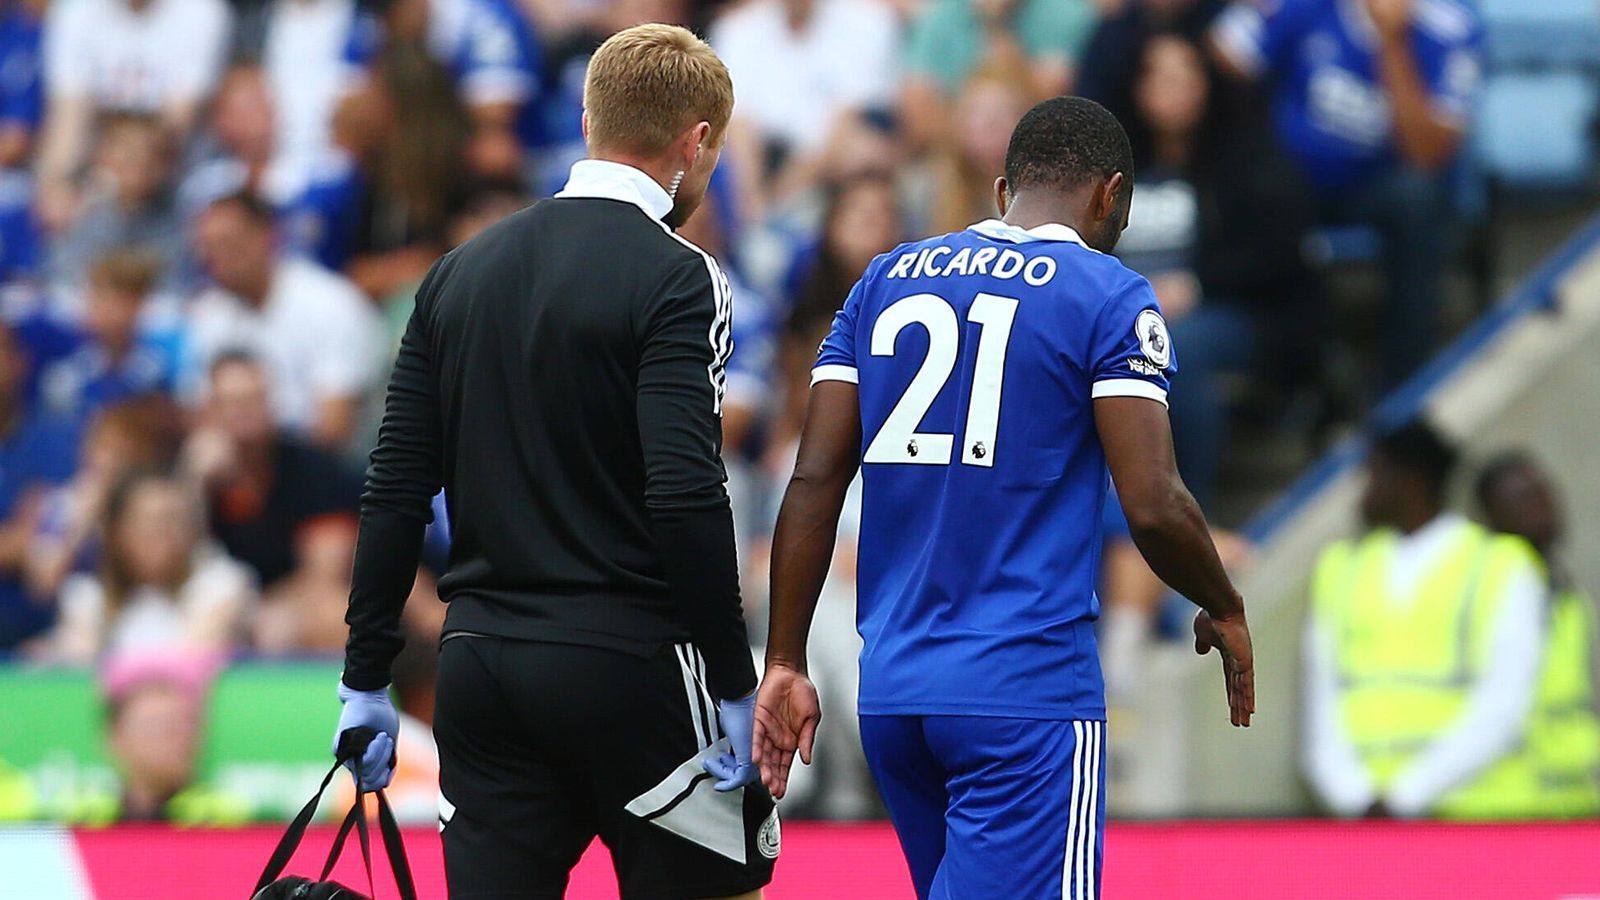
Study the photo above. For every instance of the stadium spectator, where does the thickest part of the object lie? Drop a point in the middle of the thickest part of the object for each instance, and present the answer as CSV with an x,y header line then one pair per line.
x,y
115,360
1117,44
863,219
1422,650
956,187
148,57
951,39
269,493
240,148
129,200
1562,748
154,728
1373,100
487,48
378,209
133,435
1230,280
802,70
163,584
35,455
316,335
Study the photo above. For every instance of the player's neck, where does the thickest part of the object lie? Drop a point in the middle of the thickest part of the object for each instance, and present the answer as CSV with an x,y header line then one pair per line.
x,y
1031,209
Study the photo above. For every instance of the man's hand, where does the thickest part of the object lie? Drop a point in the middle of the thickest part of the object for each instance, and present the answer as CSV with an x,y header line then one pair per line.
x,y
737,769
1390,17
787,713
369,709
1231,637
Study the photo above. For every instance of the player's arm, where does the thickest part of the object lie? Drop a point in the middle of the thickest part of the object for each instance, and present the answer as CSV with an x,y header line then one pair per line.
x,y
680,431
1168,528
405,472
787,711
685,339
1427,136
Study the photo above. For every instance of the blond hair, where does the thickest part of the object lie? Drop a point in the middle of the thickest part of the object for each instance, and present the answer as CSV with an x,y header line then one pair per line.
x,y
648,83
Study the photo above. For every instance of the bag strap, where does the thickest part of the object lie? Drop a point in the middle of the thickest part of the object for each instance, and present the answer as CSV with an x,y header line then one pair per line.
x,y
396,849
350,747
294,833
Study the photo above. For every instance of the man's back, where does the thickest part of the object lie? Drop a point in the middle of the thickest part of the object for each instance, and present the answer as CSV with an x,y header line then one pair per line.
x,y
537,338
978,355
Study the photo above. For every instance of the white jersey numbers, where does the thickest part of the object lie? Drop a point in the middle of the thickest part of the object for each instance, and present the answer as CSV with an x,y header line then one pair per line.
x,y
898,441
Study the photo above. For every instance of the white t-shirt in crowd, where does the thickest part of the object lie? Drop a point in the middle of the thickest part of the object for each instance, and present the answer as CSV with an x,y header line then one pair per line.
x,y
317,335
305,68
792,85
152,620
171,51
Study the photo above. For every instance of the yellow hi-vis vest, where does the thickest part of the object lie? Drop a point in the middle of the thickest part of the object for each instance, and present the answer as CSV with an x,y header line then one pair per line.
x,y
1406,669
1563,742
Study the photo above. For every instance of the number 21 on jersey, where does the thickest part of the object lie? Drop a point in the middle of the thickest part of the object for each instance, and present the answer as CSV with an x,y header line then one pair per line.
x,y
899,441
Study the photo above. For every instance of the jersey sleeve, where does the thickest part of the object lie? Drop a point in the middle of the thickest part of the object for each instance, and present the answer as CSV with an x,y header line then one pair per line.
x,y
836,358
495,61
1132,354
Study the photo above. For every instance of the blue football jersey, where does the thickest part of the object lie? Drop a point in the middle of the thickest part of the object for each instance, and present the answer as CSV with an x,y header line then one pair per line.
x,y
1328,101
978,355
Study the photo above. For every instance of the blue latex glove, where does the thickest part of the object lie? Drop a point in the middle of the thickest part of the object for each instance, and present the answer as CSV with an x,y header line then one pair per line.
x,y
735,770
369,709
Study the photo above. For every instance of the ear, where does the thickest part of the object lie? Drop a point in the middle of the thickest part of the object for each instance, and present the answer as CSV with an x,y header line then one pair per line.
x,y
1105,199
1002,195
585,125
693,143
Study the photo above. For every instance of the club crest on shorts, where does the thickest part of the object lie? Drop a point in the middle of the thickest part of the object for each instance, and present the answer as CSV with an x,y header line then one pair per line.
x,y
769,840
1153,338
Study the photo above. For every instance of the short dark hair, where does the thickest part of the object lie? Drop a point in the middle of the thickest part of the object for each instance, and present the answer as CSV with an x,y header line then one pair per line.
x,y
1499,468
252,204
1419,450
1064,142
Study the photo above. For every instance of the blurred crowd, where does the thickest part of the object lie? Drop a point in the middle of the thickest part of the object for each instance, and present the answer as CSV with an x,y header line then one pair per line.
x,y
213,214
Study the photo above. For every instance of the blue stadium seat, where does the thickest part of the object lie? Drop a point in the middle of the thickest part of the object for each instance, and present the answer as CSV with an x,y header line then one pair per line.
x,y
1554,33
1535,129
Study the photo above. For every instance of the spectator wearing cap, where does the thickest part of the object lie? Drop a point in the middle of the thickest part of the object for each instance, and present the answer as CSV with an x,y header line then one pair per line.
x,y
1372,98
317,336
155,725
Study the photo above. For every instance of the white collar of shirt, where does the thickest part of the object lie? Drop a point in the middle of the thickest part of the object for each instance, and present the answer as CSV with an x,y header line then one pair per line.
x,y
1050,231
1415,554
608,180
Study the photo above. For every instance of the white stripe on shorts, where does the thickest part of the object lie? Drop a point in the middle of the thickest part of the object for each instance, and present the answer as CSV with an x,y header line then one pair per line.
x,y
698,707
1078,867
